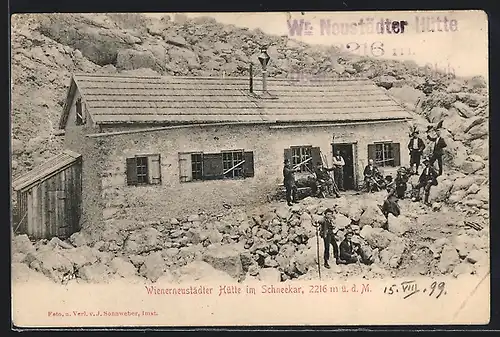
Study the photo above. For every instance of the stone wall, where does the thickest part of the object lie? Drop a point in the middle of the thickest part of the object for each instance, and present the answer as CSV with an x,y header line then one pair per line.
x,y
175,199
91,151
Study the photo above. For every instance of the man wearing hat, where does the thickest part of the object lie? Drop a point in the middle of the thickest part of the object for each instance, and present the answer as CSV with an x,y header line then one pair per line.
x,y
323,178
352,252
390,205
438,144
416,147
289,182
328,233
427,179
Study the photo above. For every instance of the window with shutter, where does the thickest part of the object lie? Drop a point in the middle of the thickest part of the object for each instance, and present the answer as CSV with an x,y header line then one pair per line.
x,y
384,154
212,166
396,154
131,171
303,155
79,112
154,169
232,162
248,166
316,156
185,173
144,170
287,155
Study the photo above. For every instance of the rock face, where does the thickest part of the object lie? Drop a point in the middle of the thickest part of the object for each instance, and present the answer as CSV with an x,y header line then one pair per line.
x,y
225,258
372,216
449,259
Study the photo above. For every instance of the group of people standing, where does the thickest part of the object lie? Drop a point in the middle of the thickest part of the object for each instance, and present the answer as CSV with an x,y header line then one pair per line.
x,y
428,177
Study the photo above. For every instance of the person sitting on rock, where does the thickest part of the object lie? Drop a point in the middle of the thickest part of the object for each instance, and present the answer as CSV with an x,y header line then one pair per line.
x,y
323,180
401,181
328,233
370,173
351,252
427,179
390,186
390,205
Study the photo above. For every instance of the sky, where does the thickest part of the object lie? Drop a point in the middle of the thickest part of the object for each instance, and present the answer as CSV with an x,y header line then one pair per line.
x,y
463,49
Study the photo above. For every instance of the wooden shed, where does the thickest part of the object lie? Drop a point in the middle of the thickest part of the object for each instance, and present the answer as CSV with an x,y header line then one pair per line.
x,y
49,198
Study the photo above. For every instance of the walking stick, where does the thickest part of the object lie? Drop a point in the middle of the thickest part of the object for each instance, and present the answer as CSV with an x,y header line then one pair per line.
x,y
317,251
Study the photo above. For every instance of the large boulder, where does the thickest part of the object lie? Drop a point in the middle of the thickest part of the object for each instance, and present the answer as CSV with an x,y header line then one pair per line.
x,y
130,59
406,94
436,114
22,244
199,271
81,256
372,216
470,167
441,192
184,56
480,147
269,275
377,237
463,183
479,131
144,240
20,272
80,238
385,81
305,259
225,258
98,45
123,267
153,266
51,263
463,109
17,146
95,273
393,254
398,225
449,259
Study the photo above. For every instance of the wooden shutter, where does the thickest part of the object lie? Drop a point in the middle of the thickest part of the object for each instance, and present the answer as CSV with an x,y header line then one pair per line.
x,y
185,169
288,155
396,153
154,169
131,171
248,165
371,151
212,166
316,156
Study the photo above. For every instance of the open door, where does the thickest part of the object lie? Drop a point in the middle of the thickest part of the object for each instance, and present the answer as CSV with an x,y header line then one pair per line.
x,y
347,152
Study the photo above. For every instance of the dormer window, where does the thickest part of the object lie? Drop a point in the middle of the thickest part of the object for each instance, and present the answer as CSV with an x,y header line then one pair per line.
x,y
79,112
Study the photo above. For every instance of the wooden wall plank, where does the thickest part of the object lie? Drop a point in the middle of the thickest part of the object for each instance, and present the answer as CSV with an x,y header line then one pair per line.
x,y
44,210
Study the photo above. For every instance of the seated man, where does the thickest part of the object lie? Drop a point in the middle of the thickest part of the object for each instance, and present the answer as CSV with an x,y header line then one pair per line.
x,y
370,174
389,184
323,179
351,252
401,181
427,179
390,205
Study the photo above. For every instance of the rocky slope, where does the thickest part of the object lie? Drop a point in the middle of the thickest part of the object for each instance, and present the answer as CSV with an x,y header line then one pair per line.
x,y
274,243
46,49
270,243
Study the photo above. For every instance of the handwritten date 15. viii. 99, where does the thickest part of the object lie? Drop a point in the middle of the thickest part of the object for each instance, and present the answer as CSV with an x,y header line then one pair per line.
x,y
410,288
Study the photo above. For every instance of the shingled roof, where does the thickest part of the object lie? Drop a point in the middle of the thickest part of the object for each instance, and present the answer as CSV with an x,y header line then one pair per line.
x,y
45,170
179,100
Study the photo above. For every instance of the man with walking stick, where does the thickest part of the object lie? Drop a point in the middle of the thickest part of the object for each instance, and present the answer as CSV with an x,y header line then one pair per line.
x,y
328,232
